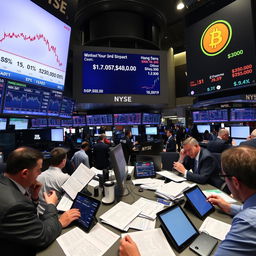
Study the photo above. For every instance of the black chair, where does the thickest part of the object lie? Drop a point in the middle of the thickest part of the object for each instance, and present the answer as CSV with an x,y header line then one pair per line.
x,y
168,158
156,159
217,156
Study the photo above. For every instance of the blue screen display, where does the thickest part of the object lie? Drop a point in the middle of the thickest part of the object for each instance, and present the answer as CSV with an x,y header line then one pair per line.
x,y
121,73
67,122
79,121
135,131
54,122
198,199
39,122
2,86
206,116
151,130
54,104
145,169
99,119
67,106
123,119
150,118
243,114
178,225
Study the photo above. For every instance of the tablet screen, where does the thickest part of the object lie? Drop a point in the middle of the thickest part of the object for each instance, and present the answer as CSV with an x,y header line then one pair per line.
x,y
198,200
144,169
88,208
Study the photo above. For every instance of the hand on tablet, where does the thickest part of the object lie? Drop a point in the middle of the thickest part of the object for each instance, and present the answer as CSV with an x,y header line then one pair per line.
x,y
220,202
67,217
128,247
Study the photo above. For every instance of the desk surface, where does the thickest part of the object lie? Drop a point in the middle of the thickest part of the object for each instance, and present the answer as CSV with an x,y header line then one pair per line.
x,y
55,249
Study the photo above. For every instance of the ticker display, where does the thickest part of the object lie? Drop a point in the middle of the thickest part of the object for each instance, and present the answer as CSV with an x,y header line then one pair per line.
x,y
131,118
106,119
242,114
221,50
206,116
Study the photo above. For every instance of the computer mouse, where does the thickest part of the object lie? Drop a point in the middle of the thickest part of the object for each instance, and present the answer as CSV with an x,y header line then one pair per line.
x,y
141,190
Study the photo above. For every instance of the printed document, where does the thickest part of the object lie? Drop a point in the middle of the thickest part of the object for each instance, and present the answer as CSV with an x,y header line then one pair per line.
x,y
221,194
172,176
142,224
65,203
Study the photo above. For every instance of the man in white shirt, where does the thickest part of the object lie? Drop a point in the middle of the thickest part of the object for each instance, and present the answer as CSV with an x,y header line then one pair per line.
x,y
53,178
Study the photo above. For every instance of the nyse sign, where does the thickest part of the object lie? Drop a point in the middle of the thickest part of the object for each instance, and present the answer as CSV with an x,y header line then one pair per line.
x,y
123,99
59,5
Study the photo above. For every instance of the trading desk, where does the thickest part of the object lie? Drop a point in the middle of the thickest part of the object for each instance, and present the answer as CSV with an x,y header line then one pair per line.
x,y
55,249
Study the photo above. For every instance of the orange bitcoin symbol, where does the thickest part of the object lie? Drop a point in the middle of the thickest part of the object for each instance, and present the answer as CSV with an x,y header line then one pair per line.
x,y
216,38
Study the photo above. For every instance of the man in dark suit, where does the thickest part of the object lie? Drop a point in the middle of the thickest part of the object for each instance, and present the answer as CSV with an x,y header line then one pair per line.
x,y
197,164
101,154
22,232
170,143
127,145
251,141
221,143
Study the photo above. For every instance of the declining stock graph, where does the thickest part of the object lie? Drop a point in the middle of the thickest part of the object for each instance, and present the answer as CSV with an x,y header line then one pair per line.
x,y
29,51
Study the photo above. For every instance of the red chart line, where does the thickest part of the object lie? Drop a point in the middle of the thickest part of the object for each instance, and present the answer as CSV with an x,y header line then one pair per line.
x,y
51,48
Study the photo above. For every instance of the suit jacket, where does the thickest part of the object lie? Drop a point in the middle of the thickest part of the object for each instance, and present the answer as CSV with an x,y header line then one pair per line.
x,y
207,169
101,155
251,143
217,146
171,144
21,230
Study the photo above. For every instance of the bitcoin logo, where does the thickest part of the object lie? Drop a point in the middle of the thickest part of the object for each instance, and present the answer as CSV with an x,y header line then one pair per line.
x,y
216,38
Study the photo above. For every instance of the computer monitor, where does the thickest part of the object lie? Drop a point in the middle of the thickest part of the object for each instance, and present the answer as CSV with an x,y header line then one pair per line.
x,y
3,122
109,133
203,128
240,131
135,131
118,162
238,141
20,123
151,130
57,135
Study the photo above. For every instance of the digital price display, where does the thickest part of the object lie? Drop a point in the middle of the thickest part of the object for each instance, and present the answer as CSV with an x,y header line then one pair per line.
x,y
151,118
39,122
207,116
30,52
55,101
2,88
52,122
120,73
99,119
67,106
124,119
66,122
221,50
242,114
79,121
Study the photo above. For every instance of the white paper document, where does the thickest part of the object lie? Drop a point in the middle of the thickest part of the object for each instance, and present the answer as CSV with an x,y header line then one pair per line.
x,y
95,243
215,228
151,242
172,176
130,169
221,194
65,203
120,215
149,208
142,224
157,184
78,180
143,181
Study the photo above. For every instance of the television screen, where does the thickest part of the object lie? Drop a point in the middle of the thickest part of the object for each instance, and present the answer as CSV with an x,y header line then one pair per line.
x,y
223,49
79,121
151,130
202,128
20,123
31,52
3,122
135,131
238,141
67,106
39,122
242,114
240,131
54,103
99,119
109,133
67,122
151,118
127,119
121,73
57,135
206,116
2,88
52,122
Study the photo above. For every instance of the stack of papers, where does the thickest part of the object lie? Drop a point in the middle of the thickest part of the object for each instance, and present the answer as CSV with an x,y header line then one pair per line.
x,y
209,227
143,181
65,203
142,224
172,176
221,194
151,242
173,190
76,242
156,184
120,216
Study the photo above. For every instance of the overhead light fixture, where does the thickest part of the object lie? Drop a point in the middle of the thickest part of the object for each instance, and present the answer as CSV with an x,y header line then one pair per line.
x,y
180,5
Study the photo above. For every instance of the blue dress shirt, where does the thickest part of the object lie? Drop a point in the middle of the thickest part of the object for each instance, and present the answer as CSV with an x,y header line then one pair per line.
x,y
80,157
241,239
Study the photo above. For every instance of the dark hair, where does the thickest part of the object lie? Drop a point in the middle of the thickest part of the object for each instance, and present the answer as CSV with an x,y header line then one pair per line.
x,y
101,137
240,162
169,130
127,132
22,158
57,156
84,144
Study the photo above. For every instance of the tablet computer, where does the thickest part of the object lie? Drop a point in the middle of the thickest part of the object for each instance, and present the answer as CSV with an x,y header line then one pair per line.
x,y
177,227
88,207
198,202
144,169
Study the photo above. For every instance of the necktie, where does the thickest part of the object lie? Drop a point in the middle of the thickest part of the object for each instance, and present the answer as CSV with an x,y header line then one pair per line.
x,y
196,166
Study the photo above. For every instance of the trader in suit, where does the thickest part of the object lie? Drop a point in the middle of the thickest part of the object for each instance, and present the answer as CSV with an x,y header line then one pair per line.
x,y
221,143
170,143
251,141
22,232
198,164
127,145
101,154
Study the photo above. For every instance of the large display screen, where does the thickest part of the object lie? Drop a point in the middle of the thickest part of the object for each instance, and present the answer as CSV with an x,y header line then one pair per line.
x,y
39,122
121,73
52,122
54,104
221,50
124,119
240,131
106,119
2,88
79,121
20,123
29,51
242,114
206,116
151,118
67,122
67,106
57,135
